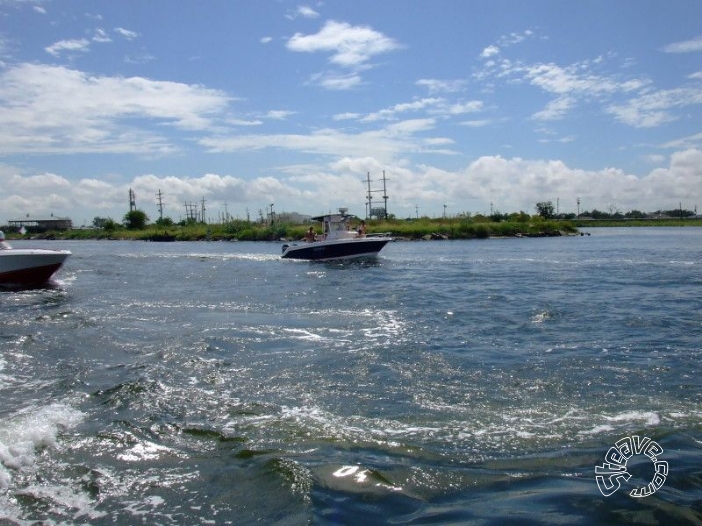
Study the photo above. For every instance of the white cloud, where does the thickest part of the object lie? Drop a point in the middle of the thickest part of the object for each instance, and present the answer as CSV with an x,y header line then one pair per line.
x,y
350,46
53,109
471,106
242,122
442,86
142,58
515,38
101,36
346,116
573,79
57,48
653,108
433,105
307,12
126,33
266,40
477,123
685,143
512,184
576,84
654,158
385,144
279,115
335,81
490,51
391,113
687,46
555,109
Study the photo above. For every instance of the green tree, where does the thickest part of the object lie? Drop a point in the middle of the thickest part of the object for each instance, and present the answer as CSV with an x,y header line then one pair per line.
x,y
545,209
106,223
164,221
135,220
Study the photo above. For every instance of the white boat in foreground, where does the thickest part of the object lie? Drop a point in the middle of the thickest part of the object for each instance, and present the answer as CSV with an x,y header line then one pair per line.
x,y
28,266
337,242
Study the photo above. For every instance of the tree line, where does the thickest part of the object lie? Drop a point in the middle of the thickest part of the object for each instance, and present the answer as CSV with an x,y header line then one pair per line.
x,y
546,210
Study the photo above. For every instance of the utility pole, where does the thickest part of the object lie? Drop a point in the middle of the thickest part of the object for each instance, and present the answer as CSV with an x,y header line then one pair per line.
x,y
160,204
385,196
578,216
204,219
191,212
132,200
369,210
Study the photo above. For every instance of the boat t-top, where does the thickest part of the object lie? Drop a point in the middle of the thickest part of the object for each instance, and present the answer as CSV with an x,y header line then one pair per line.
x,y
338,241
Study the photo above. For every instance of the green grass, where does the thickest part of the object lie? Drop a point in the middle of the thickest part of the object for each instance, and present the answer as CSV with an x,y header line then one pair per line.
x,y
467,228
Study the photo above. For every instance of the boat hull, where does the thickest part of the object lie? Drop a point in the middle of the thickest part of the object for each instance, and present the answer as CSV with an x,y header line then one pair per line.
x,y
29,266
330,250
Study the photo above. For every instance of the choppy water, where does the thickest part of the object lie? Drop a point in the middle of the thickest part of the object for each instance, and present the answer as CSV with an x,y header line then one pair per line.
x,y
464,382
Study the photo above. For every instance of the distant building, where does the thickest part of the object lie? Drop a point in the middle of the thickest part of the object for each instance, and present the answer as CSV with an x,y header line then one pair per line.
x,y
42,225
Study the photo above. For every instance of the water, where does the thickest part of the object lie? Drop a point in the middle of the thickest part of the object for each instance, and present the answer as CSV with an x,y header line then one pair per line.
x,y
463,382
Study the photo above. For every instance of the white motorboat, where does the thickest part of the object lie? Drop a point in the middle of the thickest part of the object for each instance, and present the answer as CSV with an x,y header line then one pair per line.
x,y
28,266
337,242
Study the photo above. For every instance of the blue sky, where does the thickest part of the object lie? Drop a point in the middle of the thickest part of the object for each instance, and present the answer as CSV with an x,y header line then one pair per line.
x,y
467,106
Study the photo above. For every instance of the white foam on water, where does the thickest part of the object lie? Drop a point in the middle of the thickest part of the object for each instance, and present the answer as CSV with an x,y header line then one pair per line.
x,y
23,434
65,501
143,451
649,417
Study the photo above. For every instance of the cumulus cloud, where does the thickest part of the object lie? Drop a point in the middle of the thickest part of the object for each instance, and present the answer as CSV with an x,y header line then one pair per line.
x,y
46,109
490,51
512,184
349,47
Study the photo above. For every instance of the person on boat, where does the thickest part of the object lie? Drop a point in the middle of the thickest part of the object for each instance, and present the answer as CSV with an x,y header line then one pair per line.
x,y
310,236
3,244
361,230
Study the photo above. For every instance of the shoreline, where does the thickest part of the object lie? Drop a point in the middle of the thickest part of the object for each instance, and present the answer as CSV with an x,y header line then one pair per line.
x,y
402,231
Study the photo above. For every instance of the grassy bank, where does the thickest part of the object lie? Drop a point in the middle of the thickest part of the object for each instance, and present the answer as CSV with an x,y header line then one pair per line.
x,y
456,228
462,228
589,223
